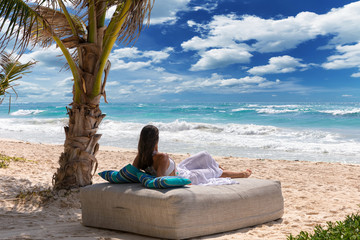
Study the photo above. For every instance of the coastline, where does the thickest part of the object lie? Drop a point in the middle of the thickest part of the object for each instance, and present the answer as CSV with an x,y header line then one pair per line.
x,y
314,193
290,131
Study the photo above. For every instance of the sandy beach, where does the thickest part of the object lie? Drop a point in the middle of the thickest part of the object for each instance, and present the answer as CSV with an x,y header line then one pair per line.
x,y
314,193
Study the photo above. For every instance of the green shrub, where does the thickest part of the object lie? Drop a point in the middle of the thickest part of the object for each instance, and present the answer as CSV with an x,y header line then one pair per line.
x,y
349,229
5,160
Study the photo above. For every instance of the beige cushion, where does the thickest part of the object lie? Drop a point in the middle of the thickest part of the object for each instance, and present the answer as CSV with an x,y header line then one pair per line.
x,y
181,212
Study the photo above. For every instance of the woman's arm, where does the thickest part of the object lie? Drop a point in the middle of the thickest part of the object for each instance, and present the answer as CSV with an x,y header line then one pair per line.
x,y
136,162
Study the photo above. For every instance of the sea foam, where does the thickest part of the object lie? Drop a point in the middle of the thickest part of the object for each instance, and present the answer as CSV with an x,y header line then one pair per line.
x,y
342,112
23,112
314,132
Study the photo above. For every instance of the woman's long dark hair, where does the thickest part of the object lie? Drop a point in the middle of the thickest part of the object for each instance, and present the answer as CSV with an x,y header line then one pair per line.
x,y
149,137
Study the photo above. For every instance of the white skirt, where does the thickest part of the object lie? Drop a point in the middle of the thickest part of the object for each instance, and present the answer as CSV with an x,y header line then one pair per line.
x,y
202,169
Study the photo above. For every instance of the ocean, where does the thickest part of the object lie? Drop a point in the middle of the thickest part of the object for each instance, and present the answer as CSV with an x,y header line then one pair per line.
x,y
326,132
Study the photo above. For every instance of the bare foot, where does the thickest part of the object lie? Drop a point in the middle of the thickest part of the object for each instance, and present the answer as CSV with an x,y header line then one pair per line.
x,y
230,174
247,173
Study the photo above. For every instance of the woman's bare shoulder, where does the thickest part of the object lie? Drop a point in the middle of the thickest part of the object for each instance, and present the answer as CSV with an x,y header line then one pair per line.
x,y
160,157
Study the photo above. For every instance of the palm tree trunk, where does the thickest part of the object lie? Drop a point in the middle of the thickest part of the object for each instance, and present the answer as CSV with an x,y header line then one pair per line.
x,y
78,161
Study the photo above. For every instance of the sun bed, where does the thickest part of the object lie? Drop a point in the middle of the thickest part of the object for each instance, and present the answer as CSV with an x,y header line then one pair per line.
x,y
180,213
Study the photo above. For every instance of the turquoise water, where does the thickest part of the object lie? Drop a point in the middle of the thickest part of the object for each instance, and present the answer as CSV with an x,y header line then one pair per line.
x,y
297,131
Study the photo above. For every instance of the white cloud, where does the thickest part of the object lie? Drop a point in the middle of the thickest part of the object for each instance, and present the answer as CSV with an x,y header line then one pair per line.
x,y
141,81
269,84
50,58
159,69
30,88
112,83
348,57
220,84
342,22
42,78
110,12
168,83
148,58
227,85
191,23
130,66
65,83
165,11
356,75
242,81
272,35
171,78
281,64
197,28
127,90
216,58
206,7
151,85
126,52
158,56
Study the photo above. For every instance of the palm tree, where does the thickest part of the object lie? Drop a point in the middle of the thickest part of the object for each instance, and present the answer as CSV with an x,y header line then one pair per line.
x,y
80,30
11,70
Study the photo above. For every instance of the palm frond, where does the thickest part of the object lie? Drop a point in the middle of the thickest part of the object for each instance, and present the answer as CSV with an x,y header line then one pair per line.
x,y
138,12
24,23
18,23
59,27
11,70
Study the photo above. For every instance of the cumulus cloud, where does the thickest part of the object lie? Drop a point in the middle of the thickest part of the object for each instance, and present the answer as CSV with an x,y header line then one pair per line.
x,y
145,58
255,34
215,58
281,64
348,56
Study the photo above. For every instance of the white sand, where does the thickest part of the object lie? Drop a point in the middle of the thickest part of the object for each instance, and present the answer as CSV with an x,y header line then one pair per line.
x,y
314,193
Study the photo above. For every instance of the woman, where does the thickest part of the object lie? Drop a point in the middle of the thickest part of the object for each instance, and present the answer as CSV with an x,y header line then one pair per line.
x,y
200,168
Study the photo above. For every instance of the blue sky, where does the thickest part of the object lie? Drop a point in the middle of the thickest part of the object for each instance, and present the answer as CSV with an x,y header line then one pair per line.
x,y
225,50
